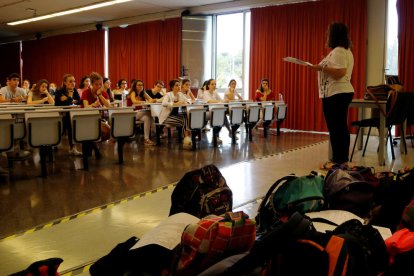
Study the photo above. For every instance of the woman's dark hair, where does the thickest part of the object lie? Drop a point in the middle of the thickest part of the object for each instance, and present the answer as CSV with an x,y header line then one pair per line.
x,y
36,89
231,81
204,84
81,84
120,82
134,87
172,83
159,82
94,77
261,87
184,81
208,84
338,36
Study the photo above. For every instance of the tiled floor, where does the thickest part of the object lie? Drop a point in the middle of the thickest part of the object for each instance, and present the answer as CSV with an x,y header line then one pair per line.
x,y
27,201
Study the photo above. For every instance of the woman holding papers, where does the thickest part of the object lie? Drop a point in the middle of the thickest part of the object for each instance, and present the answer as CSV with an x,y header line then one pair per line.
x,y
336,91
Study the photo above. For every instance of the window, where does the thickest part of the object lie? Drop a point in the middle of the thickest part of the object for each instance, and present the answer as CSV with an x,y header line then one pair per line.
x,y
216,47
391,66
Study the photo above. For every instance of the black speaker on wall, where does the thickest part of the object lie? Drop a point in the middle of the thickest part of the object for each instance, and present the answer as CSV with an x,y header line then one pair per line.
x,y
98,26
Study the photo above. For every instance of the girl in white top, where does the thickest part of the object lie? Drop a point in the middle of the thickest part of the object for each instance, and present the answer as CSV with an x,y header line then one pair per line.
x,y
185,86
231,93
171,101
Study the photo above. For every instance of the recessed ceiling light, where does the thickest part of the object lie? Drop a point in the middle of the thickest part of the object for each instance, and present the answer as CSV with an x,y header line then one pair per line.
x,y
76,10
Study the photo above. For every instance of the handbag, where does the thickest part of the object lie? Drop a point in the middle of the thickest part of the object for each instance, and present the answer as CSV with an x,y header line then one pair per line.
x,y
377,92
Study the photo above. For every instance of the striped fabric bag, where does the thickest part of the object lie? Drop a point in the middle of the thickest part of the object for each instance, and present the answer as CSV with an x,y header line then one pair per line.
x,y
212,239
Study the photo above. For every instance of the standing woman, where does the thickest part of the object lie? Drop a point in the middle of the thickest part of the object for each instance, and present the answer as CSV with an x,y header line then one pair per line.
x,y
185,88
40,94
231,93
264,93
136,96
169,114
336,91
65,96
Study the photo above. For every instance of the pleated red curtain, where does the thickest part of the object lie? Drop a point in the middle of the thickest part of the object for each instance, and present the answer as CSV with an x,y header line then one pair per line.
x,y
405,10
148,51
52,57
299,30
10,60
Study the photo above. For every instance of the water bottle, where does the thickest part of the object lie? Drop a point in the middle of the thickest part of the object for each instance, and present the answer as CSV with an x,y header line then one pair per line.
x,y
123,104
281,97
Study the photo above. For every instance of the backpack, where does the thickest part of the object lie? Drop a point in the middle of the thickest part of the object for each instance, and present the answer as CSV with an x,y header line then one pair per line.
x,y
212,239
394,193
202,192
47,267
296,248
349,190
288,195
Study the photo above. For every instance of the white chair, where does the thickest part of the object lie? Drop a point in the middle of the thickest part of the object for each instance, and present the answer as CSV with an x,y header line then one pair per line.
x,y
217,115
280,116
6,132
196,122
236,114
19,134
268,116
122,123
44,132
86,129
252,117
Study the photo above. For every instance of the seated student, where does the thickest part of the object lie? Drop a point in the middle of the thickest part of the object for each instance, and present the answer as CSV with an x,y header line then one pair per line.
x,y
201,91
26,86
121,90
154,95
231,93
107,88
95,96
85,83
264,93
210,95
40,94
136,96
52,89
169,115
185,89
65,96
11,92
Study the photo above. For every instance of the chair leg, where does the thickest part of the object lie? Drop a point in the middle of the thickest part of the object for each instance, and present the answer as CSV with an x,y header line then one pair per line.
x,y
403,138
43,150
86,148
391,145
366,142
193,139
233,133
353,148
158,130
120,149
266,125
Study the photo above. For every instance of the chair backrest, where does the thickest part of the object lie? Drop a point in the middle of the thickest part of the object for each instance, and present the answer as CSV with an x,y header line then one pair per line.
x,y
236,114
197,118
156,110
398,104
281,112
86,125
268,112
253,111
6,132
122,122
217,115
44,128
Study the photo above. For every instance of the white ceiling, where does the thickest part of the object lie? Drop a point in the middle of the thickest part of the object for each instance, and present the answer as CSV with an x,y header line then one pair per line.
x,y
129,12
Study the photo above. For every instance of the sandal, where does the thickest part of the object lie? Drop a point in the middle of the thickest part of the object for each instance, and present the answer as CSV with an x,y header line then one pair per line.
x,y
148,142
327,165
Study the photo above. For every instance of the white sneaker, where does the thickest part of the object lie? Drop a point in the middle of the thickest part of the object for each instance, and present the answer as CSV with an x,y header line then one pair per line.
x,y
219,141
75,152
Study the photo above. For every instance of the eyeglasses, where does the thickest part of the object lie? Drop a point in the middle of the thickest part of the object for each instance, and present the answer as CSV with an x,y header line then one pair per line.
x,y
123,83
160,86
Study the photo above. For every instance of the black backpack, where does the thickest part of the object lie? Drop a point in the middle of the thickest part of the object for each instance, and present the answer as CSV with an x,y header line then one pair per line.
x,y
296,248
202,192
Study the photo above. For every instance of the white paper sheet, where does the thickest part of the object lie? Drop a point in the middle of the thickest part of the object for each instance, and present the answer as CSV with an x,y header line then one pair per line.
x,y
168,232
297,61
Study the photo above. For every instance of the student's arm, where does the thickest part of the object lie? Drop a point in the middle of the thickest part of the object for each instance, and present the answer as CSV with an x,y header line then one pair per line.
x,y
49,98
103,98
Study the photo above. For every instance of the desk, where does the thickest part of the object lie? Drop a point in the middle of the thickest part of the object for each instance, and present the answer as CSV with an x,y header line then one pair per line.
x,y
362,104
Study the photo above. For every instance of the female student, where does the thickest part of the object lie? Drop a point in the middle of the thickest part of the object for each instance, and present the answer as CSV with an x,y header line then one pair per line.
x,y
40,94
136,96
231,93
185,88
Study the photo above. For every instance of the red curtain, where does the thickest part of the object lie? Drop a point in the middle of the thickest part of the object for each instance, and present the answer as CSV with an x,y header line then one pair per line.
x,y
299,30
148,51
10,60
405,10
52,57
